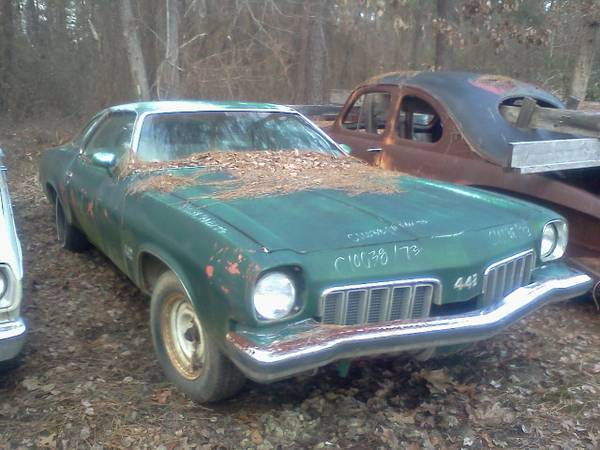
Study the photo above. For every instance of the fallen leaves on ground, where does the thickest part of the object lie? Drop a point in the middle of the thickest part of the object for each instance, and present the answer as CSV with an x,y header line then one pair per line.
x,y
89,378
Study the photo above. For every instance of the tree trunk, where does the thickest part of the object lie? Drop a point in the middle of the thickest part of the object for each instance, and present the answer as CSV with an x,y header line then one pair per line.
x,y
134,51
317,52
33,22
301,47
7,32
589,40
168,78
443,49
416,45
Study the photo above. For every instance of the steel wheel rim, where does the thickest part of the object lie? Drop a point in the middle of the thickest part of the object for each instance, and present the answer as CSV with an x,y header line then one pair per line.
x,y
183,336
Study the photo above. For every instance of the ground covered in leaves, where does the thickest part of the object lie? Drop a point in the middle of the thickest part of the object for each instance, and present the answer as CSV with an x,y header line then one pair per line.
x,y
89,377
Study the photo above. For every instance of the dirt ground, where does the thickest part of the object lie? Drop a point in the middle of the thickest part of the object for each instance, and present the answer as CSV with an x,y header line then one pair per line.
x,y
89,377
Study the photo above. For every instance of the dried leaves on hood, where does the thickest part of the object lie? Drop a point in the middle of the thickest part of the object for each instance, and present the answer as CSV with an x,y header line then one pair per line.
x,y
265,173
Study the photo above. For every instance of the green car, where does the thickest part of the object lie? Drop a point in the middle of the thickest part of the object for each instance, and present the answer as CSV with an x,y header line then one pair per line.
x,y
268,251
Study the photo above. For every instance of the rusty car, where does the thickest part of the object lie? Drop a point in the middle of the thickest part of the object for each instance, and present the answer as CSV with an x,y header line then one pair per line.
x,y
12,326
486,131
268,252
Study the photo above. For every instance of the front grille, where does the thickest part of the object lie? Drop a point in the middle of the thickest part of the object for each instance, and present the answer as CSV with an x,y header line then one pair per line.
x,y
503,277
378,302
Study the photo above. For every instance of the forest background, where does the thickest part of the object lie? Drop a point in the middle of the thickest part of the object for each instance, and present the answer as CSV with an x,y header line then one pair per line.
x,y
73,57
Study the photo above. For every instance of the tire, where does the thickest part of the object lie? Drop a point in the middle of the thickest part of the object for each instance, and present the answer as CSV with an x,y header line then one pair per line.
x,y
70,238
11,364
188,356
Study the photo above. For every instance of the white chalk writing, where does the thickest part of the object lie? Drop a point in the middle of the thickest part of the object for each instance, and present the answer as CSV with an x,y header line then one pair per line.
x,y
387,230
204,218
509,232
372,259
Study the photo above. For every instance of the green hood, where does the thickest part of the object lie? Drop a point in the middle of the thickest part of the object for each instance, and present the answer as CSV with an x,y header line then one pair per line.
x,y
323,219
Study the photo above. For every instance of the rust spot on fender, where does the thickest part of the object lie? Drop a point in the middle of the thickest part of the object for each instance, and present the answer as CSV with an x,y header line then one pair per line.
x,y
90,209
225,290
232,268
210,271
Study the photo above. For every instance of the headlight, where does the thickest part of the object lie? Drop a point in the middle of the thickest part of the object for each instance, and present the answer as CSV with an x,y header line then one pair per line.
x,y
274,296
554,240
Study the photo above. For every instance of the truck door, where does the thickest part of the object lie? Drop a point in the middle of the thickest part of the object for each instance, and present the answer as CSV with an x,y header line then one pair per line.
x,y
425,141
364,122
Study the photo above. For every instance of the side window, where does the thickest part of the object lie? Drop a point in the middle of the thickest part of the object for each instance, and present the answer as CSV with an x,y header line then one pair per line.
x,y
418,121
91,124
369,113
113,134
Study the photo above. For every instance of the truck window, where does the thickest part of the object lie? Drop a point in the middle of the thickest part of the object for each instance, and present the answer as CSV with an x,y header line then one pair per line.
x,y
369,113
418,121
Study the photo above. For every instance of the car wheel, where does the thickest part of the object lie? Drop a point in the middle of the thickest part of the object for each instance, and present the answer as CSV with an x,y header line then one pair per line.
x,y
69,237
187,354
11,364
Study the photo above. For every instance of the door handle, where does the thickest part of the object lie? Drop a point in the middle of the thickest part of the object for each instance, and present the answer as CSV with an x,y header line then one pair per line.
x,y
372,150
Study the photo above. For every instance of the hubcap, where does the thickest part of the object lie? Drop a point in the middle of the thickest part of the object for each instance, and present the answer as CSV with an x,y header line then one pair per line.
x,y
183,336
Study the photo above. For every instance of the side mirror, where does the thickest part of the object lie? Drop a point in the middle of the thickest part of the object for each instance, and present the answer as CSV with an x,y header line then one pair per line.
x,y
346,149
104,159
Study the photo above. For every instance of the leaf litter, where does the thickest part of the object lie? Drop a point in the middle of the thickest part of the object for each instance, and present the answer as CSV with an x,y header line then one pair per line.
x,y
534,386
266,173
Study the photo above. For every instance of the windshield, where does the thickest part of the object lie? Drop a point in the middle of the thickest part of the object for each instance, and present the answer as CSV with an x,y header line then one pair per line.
x,y
170,136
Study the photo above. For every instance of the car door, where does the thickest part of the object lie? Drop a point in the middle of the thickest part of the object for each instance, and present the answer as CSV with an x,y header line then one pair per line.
x,y
363,123
425,141
95,187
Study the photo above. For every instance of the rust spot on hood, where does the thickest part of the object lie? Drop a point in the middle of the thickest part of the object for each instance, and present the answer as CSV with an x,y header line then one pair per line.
x,y
210,271
232,268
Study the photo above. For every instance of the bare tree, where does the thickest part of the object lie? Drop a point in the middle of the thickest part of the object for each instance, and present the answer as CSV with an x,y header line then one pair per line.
x,y
134,50
316,52
582,70
416,39
443,47
167,79
6,47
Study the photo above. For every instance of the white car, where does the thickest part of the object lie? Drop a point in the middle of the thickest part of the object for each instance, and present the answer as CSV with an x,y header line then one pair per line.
x,y
12,325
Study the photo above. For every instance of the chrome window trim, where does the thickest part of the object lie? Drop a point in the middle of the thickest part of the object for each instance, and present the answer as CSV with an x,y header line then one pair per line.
x,y
137,129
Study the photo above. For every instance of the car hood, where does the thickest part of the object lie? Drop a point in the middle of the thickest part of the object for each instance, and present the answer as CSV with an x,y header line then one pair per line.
x,y
320,219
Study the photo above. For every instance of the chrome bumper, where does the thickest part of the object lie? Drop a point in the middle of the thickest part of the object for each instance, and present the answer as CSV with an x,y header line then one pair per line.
x,y
12,338
309,344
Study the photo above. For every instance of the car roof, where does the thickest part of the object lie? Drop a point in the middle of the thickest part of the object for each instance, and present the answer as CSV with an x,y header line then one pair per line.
x,y
167,106
473,101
